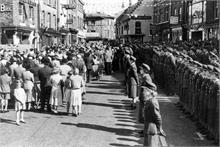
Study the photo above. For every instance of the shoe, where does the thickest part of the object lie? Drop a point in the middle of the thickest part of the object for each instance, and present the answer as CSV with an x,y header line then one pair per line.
x,y
6,110
22,121
17,123
55,111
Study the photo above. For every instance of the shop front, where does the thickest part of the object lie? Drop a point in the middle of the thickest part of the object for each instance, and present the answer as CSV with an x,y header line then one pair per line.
x,y
49,37
177,34
16,35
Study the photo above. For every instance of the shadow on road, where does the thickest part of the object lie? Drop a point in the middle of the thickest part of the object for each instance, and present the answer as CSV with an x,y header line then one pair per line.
x,y
103,93
8,121
117,131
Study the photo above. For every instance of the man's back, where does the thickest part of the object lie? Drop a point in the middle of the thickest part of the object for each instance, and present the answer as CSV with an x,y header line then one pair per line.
x,y
44,74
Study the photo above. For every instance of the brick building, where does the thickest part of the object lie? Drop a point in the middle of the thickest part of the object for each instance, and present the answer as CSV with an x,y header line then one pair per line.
x,y
99,26
18,21
134,23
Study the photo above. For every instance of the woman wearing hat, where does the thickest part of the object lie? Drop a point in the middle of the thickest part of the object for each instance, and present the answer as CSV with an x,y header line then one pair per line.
x,y
144,78
133,81
152,116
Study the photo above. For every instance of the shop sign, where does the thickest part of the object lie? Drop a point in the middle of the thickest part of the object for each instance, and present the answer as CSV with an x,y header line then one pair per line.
x,y
30,2
174,19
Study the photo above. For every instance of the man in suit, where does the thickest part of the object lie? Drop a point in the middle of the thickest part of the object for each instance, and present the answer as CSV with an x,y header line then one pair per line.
x,y
44,75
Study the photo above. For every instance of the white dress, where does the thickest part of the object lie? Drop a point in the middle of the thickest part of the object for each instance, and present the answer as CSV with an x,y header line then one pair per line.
x,y
56,89
76,93
20,96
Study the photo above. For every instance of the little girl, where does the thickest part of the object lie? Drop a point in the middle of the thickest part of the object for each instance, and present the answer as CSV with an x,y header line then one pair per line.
x,y
20,99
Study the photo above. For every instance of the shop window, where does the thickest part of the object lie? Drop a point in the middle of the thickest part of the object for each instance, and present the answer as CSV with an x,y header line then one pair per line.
x,y
137,27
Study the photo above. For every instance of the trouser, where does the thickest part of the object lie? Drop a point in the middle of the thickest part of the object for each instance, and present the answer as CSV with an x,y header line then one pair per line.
x,y
45,97
108,68
88,75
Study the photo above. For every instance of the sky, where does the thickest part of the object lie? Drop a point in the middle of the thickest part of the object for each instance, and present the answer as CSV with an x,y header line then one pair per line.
x,y
110,7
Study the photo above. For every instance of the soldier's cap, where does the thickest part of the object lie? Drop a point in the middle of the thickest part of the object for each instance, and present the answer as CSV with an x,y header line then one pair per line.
x,y
216,70
145,67
210,67
198,64
132,58
169,49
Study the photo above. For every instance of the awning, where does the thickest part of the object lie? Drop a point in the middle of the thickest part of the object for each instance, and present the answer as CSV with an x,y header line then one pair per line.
x,y
64,31
50,32
21,29
73,31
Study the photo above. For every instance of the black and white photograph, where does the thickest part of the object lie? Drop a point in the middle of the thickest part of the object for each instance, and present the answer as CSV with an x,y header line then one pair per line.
x,y
109,73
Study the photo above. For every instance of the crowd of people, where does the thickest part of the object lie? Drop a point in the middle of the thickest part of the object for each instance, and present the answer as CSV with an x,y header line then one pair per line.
x,y
50,78
58,74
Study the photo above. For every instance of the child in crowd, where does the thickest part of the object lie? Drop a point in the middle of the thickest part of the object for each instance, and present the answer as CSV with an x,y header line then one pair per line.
x,y
5,83
20,99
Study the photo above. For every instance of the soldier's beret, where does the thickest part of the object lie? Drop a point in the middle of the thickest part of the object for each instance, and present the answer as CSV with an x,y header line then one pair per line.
x,y
145,67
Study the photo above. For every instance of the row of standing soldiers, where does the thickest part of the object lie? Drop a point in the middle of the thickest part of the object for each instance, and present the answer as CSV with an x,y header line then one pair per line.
x,y
197,85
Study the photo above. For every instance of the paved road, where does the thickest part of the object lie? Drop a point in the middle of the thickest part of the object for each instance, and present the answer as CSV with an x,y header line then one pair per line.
x,y
106,121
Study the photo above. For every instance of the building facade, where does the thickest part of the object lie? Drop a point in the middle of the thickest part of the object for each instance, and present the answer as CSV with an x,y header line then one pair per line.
x,y
48,28
100,26
41,22
134,23
18,22
80,21
185,20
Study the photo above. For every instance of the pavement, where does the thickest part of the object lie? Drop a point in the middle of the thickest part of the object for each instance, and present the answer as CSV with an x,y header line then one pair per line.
x,y
106,121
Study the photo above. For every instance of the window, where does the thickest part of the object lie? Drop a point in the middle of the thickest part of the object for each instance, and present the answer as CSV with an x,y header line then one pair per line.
x,y
49,20
31,14
180,14
93,31
216,10
92,22
54,21
21,13
43,19
137,27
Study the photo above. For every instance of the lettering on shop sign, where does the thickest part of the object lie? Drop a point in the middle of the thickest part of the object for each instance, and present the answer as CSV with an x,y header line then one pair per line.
x,y
30,2
5,8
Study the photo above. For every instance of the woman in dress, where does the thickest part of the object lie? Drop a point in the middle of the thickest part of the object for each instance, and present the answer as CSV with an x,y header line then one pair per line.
x,y
76,93
56,93
28,82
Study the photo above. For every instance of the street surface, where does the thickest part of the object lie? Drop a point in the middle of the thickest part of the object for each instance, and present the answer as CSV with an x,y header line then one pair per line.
x,y
106,120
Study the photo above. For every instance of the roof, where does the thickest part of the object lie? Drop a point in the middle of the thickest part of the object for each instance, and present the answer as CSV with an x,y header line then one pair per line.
x,y
98,15
131,9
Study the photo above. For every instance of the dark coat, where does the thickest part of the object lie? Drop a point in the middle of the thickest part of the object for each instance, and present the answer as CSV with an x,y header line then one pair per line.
x,y
152,116
44,75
